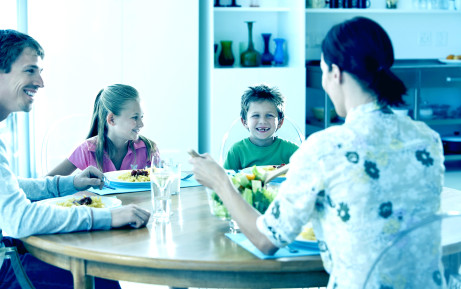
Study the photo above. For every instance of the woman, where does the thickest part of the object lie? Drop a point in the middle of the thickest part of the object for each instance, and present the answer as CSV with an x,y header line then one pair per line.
x,y
359,183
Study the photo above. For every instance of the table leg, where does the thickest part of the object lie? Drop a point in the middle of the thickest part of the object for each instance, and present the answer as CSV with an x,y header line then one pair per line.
x,y
81,280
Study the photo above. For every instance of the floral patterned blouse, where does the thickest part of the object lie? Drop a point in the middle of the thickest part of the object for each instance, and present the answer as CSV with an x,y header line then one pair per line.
x,y
360,184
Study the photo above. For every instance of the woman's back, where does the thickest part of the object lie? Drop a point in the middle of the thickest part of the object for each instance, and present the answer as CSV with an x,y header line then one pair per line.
x,y
382,174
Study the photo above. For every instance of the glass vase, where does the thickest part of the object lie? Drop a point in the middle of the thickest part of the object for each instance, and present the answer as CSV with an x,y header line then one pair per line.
x,y
279,56
226,57
250,57
266,57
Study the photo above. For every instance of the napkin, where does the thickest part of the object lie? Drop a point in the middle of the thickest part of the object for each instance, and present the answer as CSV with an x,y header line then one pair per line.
x,y
191,182
107,191
243,241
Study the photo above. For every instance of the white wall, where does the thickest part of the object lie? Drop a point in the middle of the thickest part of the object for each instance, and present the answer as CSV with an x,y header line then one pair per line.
x,y
414,34
151,45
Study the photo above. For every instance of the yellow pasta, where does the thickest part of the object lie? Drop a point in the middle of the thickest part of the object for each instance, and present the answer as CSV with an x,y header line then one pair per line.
x,y
127,177
96,202
308,234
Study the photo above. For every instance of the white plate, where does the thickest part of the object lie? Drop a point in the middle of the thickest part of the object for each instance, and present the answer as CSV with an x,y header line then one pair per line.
x,y
113,177
303,243
107,201
450,61
115,182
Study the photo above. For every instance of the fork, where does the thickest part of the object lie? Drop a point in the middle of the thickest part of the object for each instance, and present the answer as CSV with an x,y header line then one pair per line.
x,y
187,177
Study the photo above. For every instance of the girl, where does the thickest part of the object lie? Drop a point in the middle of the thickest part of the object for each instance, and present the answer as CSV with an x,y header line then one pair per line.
x,y
360,183
114,142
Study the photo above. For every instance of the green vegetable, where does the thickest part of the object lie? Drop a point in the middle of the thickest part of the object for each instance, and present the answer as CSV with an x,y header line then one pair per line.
x,y
252,192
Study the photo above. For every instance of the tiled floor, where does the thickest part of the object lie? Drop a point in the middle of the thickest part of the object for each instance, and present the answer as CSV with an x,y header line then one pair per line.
x,y
452,180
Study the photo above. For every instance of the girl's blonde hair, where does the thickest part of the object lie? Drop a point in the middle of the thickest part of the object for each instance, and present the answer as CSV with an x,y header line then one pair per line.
x,y
113,99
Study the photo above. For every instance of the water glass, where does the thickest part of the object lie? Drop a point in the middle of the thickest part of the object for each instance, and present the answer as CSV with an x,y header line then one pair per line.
x,y
175,185
160,177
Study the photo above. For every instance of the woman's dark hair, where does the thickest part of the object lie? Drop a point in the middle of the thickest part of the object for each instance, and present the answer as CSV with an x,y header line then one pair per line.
x,y
12,44
113,98
361,47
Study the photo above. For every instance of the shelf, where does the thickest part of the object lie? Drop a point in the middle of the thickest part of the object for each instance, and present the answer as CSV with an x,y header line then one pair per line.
x,y
250,9
377,11
450,121
453,157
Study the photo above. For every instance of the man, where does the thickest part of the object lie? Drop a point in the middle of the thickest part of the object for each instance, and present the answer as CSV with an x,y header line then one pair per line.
x,y
20,79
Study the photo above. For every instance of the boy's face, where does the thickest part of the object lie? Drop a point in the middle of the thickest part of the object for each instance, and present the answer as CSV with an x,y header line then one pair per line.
x,y
262,122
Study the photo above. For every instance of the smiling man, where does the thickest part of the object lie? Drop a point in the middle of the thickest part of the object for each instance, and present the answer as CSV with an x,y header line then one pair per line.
x,y
20,216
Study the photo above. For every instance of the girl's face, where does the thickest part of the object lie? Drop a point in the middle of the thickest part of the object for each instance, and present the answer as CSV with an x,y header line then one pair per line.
x,y
262,122
128,124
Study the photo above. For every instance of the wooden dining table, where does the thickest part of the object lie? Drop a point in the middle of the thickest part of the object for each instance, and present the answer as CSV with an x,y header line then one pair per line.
x,y
189,251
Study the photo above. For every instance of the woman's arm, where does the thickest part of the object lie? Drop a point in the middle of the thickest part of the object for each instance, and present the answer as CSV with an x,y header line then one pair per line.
x,y
209,173
65,168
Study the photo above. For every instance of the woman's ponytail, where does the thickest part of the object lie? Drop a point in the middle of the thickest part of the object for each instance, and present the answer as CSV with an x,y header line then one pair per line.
x,y
388,87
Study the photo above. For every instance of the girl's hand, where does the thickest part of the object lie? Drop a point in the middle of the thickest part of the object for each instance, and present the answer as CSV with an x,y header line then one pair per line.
x,y
90,177
208,172
132,215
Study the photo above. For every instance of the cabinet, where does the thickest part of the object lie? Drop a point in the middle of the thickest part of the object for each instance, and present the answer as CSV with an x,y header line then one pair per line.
x,y
433,88
283,19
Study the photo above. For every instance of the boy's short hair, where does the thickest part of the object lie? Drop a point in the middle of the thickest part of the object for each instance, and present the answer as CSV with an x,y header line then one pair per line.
x,y
12,44
260,93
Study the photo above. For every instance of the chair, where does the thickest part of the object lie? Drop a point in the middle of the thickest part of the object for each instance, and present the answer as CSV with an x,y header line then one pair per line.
x,y
61,138
21,276
439,234
289,131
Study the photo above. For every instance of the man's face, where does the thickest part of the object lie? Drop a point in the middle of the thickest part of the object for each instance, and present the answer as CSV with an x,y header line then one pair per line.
x,y
18,87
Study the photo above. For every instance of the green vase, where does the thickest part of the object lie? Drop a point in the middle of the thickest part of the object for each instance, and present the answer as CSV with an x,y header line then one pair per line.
x,y
250,57
226,57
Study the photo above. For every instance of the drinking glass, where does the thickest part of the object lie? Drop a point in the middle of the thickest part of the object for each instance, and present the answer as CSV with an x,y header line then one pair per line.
x,y
160,176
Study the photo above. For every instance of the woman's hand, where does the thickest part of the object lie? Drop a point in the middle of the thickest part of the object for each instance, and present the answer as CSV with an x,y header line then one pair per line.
x,y
208,172
131,215
90,177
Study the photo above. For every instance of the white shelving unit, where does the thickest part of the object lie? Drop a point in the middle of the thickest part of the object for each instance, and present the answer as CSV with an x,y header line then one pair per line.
x,y
283,19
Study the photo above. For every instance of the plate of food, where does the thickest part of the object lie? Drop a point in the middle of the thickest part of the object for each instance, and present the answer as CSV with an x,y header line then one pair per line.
x,y
129,178
306,239
89,201
258,170
451,59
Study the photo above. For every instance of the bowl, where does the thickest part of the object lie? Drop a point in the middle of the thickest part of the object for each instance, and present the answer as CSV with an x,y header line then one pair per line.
x,y
400,111
452,144
319,113
250,187
425,113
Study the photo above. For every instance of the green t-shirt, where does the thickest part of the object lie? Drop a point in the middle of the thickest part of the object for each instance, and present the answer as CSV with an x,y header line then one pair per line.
x,y
245,154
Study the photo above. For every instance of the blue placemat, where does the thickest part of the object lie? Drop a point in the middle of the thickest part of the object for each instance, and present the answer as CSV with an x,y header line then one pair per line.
x,y
242,240
191,182
106,191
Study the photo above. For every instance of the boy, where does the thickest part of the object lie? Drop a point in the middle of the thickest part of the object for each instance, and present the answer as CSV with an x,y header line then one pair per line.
x,y
262,114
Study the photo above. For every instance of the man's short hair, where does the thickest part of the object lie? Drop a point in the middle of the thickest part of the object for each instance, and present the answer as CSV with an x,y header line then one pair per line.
x,y
12,44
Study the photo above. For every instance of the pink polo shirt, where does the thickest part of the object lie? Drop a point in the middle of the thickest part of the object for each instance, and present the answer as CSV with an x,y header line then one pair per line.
x,y
85,156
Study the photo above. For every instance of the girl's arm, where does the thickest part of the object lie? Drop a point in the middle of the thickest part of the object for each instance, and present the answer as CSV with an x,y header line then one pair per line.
x,y
65,168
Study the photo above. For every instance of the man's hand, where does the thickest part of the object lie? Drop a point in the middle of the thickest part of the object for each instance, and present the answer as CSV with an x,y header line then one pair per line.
x,y
131,215
90,177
